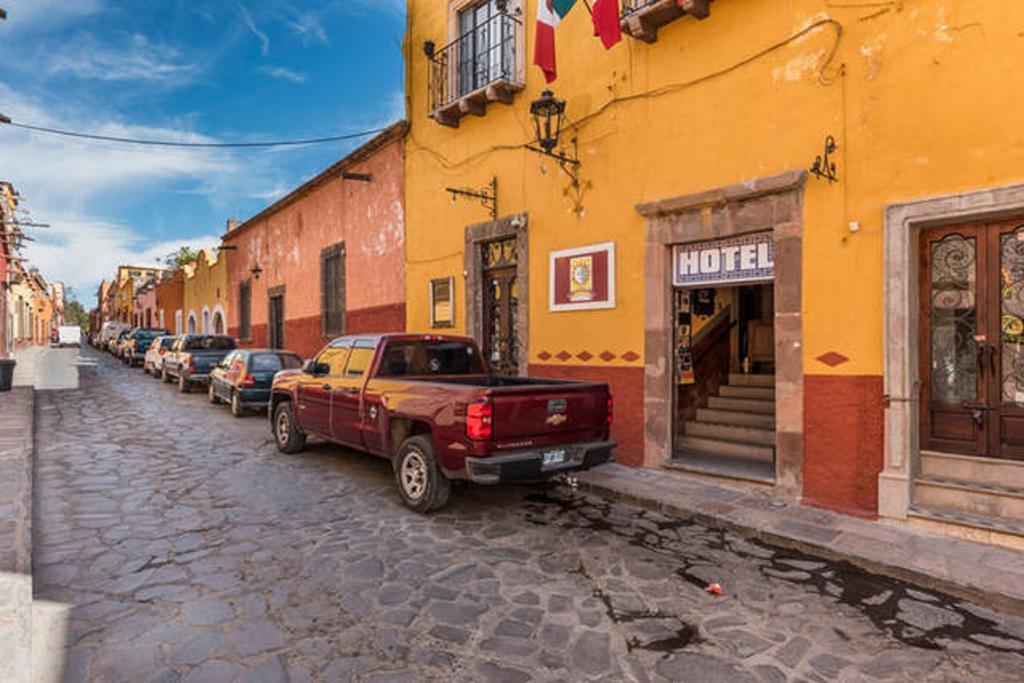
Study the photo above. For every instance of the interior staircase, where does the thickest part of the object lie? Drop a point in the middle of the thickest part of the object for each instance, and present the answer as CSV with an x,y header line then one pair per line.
x,y
982,493
735,433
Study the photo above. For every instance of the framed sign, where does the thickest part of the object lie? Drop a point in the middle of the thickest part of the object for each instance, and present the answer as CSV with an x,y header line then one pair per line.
x,y
582,279
737,260
442,302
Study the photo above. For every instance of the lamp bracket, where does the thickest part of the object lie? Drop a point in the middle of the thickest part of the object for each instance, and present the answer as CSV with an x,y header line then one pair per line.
x,y
823,166
488,196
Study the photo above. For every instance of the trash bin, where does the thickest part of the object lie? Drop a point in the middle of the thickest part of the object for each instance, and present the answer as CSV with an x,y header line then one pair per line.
x,y
6,373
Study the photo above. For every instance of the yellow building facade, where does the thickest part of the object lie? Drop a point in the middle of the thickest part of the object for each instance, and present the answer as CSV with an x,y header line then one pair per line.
x,y
205,294
695,136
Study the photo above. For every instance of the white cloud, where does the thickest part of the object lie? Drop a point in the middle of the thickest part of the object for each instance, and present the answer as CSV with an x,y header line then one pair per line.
x,y
87,58
80,251
308,28
284,74
263,37
68,183
22,14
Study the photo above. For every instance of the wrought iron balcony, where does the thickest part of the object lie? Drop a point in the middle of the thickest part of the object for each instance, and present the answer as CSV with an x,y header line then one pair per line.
x,y
642,18
480,67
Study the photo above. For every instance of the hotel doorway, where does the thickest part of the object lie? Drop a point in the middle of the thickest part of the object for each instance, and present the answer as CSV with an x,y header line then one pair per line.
x,y
724,340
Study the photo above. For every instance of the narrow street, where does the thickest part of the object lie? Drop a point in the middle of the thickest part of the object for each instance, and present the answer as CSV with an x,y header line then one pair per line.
x,y
189,549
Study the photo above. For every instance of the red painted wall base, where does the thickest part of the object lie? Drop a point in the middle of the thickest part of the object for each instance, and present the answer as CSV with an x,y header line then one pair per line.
x,y
843,442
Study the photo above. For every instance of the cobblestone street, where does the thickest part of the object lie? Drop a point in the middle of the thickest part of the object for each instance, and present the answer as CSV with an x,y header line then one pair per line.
x,y
189,549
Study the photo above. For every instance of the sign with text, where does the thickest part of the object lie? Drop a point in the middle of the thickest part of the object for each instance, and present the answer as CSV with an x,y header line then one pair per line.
x,y
736,260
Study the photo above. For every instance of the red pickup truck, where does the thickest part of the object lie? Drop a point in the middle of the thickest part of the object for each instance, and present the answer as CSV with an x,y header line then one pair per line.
x,y
430,404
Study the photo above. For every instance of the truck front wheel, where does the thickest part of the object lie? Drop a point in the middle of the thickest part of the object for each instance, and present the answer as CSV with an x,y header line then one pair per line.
x,y
421,482
286,433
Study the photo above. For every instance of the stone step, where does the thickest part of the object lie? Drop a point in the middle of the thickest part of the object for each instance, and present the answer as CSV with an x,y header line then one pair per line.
x,y
759,393
735,450
973,469
742,405
970,497
729,417
737,380
733,433
975,521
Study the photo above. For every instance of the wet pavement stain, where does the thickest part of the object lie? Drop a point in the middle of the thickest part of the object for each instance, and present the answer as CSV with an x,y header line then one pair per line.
x,y
887,603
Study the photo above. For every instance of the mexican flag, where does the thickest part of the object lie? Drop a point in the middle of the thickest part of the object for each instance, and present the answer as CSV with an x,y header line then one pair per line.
x,y
549,14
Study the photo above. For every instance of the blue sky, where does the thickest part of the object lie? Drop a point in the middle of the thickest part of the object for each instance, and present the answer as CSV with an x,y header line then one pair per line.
x,y
220,70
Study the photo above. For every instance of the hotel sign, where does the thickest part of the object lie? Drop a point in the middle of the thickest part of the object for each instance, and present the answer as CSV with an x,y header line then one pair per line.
x,y
737,260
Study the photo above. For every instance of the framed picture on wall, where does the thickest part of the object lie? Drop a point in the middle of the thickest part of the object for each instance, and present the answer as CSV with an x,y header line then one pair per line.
x,y
442,302
583,278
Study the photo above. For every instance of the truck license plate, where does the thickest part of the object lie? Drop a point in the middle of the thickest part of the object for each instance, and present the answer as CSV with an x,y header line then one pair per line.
x,y
555,457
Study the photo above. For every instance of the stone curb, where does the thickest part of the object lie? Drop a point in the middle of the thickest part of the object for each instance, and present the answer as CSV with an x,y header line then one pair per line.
x,y
939,563
17,447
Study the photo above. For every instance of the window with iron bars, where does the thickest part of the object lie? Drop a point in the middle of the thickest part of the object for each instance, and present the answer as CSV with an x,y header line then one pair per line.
x,y
483,54
244,311
332,289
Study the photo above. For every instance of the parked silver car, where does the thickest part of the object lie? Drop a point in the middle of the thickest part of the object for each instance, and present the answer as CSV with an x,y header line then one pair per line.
x,y
153,362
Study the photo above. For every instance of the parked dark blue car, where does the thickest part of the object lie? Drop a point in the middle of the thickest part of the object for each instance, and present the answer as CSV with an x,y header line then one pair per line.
x,y
244,377
137,343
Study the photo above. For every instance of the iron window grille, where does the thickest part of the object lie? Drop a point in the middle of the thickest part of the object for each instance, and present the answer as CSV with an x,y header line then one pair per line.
x,y
245,310
332,290
630,6
485,53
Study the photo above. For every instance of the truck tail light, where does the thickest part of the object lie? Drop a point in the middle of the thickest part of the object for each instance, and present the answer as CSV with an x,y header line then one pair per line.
x,y
162,351
191,365
611,410
478,420
247,381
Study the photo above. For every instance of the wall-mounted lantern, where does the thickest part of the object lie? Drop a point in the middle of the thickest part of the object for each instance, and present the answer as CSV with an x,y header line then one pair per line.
x,y
548,114
256,271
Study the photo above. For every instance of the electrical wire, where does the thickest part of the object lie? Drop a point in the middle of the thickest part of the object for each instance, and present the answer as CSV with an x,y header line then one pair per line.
x,y
205,145
824,78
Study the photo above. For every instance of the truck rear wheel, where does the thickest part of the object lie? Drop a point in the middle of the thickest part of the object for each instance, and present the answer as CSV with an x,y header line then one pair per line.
x,y
286,433
184,385
165,376
421,483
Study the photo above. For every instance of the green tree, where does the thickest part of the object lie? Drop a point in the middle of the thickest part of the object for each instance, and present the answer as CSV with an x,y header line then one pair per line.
x,y
74,311
183,256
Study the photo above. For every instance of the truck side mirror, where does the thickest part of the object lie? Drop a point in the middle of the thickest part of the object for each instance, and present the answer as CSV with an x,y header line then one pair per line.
x,y
309,367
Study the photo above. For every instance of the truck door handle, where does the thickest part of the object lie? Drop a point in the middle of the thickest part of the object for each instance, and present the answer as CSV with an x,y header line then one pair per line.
x,y
325,387
351,390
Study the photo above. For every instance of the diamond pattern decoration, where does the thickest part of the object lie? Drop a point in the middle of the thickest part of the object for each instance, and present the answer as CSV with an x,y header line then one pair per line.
x,y
607,356
584,355
630,356
544,355
832,359
563,356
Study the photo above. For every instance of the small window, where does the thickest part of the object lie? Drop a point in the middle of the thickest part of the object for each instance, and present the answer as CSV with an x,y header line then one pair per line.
x,y
273,362
442,308
218,343
359,361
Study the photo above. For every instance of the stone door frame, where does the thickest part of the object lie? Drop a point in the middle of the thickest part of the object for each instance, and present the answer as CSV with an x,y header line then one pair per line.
x,y
774,203
491,231
904,222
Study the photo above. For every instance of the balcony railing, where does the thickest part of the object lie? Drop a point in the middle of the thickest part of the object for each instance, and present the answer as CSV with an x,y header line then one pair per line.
x,y
480,67
642,18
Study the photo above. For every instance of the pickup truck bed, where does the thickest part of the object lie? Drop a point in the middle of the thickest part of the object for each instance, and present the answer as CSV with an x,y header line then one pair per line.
x,y
429,404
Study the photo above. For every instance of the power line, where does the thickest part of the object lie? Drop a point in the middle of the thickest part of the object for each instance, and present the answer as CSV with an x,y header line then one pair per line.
x,y
207,145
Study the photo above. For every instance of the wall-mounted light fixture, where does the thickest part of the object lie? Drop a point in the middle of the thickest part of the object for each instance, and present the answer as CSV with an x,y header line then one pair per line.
x,y
429,49
256,271
548,114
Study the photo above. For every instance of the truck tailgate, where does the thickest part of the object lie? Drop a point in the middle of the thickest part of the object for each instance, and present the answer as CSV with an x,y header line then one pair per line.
x,y
559,413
